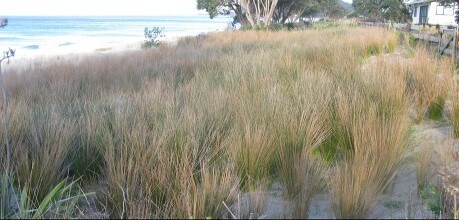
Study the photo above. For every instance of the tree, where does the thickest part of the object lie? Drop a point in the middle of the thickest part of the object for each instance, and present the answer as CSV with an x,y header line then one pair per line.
x,y
379,10
395,10
311,13
331,8
368,8
293,9
248,12
224,7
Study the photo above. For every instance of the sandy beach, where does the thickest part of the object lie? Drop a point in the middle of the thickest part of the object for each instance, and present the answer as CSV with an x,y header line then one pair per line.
x,y
26,59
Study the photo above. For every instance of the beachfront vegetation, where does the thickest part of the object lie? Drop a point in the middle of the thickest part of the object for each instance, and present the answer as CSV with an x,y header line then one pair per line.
x,y
152,37
256,14
182,131
384,10
60,202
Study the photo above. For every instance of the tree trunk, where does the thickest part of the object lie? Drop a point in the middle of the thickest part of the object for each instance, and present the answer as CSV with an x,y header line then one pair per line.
x,y
269,7
249,12
261,8
241,17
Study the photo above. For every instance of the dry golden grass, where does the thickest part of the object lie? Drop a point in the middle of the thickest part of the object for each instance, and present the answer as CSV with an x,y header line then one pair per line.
x,y
423,169
377,144
455,108
428,84
446,184
310,174
175,131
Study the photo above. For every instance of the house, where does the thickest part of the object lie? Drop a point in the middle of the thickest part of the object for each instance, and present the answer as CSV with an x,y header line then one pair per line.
x,y
431,12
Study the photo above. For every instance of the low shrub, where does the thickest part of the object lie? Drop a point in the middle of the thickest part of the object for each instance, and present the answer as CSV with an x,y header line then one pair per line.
x,y
152,37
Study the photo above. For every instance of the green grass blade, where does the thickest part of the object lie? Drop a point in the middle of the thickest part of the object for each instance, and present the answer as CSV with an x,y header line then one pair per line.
x,y
48,200
24,205
4,185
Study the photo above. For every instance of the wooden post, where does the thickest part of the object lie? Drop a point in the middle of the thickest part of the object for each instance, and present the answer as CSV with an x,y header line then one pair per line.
x,y
439,42
454,44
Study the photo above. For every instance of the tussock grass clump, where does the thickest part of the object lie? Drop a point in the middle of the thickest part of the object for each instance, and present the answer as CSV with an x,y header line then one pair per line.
x,y
423,169
384,82
175,131
42,141
177,172
379,146
253,205
310,172
428,84
300,129
253,154
372,135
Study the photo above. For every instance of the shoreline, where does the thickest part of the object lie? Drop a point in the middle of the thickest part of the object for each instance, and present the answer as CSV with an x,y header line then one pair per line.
x,y
42,55
34,37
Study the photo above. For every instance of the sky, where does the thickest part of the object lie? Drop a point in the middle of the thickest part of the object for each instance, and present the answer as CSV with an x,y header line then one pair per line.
x,y
98,7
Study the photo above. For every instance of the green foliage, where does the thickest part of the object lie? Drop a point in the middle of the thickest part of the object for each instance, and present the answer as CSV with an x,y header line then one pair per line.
x,y
332,9
393,204
245,28
285,9
433,196
213,7
400,36
456,122
373,49
4,210
412,40
60,198
276,27
352,15
325,25
436,109
152,36
261,28
379,10
311,12
223,7
290,26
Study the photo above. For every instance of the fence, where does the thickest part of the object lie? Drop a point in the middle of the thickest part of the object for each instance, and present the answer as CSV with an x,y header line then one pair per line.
x,y
445,40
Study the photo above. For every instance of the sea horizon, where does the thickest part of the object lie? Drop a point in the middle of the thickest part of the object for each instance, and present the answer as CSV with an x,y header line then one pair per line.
x,y
40,35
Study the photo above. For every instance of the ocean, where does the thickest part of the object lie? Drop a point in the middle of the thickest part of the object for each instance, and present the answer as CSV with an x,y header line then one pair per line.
x,y
53,35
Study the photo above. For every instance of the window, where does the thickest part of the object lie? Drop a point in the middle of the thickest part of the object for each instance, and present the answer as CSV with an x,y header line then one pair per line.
x,y
449,10
440,10
423,12
445,10
415,11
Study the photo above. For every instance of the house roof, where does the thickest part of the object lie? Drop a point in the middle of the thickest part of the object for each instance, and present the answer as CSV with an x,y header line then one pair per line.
x,y
413,2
